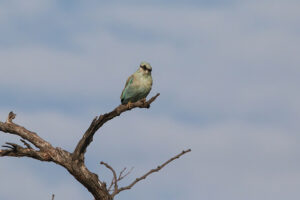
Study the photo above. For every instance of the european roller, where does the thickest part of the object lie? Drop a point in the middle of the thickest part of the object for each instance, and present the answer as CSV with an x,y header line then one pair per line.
x,y
138,85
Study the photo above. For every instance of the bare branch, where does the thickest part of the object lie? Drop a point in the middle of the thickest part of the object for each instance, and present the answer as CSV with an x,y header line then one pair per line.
x,y
10,117
15,150
47,152
87,138
150,172
115,180
121,172
121,176
111,184
26,144
12,128
74,162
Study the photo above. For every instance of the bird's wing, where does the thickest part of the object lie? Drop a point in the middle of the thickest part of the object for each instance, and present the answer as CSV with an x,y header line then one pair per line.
x,y
128,83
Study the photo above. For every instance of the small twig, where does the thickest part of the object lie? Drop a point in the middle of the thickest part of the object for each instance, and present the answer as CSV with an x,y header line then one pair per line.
x,y
111,184
26,144
121,172
15,150
10,117
12,146
115,180
121,176
150,172
32,137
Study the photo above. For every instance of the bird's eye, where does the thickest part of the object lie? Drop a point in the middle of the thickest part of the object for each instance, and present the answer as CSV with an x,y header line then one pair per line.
x,y
144,67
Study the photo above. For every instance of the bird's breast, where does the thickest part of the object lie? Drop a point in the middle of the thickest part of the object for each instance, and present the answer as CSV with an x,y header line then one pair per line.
x,y
145,82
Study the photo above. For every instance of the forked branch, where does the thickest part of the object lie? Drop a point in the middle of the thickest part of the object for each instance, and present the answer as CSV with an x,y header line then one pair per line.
x,y
116,179
32,137
150,172
74,162
15,150
87,138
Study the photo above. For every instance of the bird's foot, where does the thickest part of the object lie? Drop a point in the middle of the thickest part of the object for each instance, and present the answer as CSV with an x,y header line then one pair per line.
x,y
144,100
129,105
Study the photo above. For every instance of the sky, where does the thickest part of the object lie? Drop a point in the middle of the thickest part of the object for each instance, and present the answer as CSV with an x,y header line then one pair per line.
x,y
228,73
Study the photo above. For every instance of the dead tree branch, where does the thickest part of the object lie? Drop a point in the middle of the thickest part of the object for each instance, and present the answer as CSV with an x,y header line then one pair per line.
x,y
115,179
118,190
121,176
15,150
12,128
87,138
74,162
10,117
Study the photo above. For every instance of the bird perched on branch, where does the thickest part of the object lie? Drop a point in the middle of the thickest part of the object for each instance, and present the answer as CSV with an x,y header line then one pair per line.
x,y
138,85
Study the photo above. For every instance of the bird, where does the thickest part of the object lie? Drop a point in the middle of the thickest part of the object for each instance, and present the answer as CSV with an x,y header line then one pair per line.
x,y
138,85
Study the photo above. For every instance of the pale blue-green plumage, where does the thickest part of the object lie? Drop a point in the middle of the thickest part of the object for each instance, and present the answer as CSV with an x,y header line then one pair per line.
x,y
138,84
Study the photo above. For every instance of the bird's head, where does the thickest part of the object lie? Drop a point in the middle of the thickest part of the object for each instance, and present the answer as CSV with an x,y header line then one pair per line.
x,y
145,68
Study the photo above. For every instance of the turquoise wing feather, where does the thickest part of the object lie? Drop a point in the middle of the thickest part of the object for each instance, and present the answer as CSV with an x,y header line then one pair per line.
x,y
127,85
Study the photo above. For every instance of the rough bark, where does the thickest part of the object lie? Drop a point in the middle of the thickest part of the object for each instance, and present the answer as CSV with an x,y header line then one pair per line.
x,y
74,162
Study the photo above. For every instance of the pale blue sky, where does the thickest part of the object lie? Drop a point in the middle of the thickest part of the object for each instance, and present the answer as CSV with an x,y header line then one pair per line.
x,y
228,73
